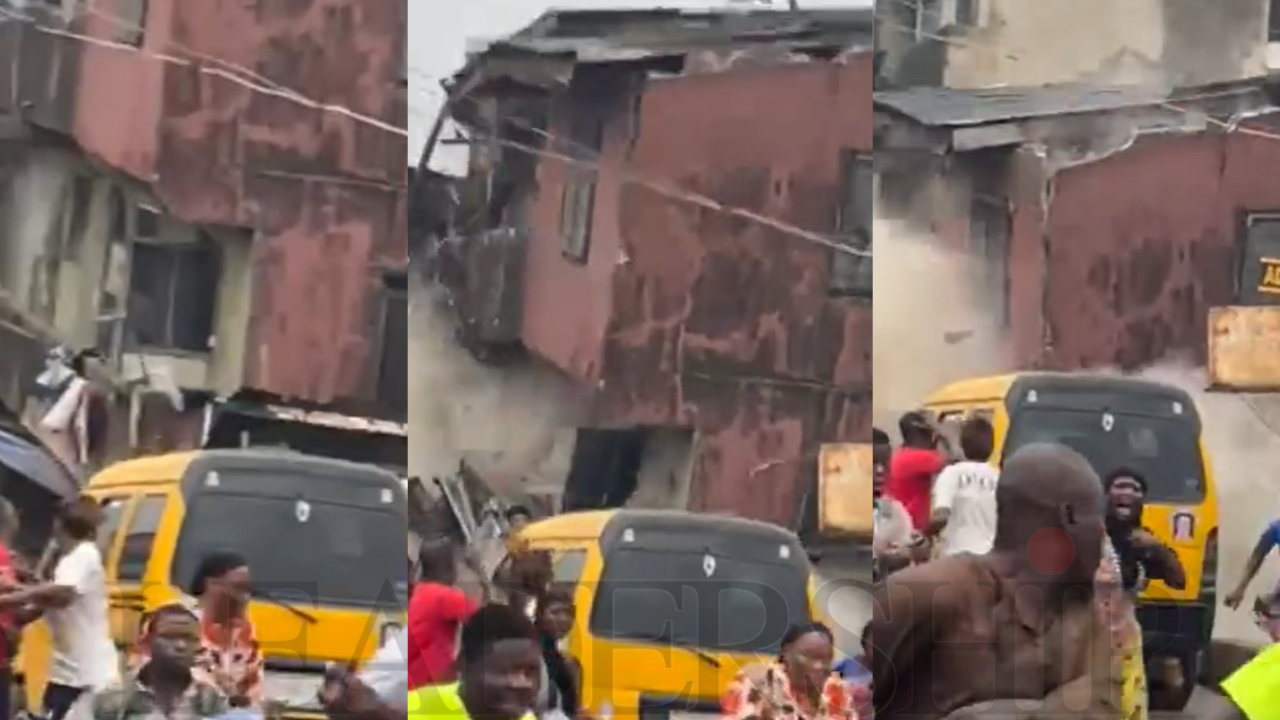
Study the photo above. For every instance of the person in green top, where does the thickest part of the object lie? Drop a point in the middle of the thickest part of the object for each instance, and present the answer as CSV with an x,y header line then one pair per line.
x,y
1253,691
499,671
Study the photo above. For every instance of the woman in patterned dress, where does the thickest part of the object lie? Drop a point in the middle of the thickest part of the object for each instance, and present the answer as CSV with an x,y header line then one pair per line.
x,y
1118,612
800,685
229,654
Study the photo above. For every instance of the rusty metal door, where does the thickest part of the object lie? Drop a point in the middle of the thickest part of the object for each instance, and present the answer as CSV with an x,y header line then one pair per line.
x,y
1244,344
844,490
1259,281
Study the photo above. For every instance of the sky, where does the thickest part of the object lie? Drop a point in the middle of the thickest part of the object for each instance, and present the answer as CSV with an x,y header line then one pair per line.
x,y
438,37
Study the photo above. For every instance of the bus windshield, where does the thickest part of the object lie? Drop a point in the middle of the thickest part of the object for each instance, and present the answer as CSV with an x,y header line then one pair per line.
x,y
306,548
1166,450
698,600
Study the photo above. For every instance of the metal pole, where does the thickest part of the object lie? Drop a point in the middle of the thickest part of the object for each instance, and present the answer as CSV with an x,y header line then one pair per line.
x,y
446,109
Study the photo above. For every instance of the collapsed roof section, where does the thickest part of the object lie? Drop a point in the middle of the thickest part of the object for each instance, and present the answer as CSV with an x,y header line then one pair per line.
x,y
661,41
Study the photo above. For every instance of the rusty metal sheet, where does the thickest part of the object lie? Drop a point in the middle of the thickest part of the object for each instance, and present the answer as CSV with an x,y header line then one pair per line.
x,y
1244,348
336,421
845,489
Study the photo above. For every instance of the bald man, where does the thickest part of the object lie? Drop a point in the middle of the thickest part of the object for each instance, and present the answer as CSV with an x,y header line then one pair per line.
x,y
1014,634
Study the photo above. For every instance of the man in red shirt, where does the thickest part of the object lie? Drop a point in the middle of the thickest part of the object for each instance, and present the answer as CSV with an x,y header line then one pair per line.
x,y
437,609
914,466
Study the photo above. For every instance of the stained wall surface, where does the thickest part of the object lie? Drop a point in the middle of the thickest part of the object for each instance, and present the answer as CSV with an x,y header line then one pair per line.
x,y
685,316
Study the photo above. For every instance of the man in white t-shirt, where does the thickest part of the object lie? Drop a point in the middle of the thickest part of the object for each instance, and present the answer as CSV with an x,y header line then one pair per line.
x,y
75,608
964,495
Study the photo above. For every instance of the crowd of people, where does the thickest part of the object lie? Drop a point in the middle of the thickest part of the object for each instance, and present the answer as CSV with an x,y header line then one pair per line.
x,y
994,585
196,657
498,652
999,585
207,641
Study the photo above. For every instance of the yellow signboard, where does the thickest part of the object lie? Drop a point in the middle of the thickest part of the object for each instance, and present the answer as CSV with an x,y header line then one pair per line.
x,y
1270,282
1244,348
844,490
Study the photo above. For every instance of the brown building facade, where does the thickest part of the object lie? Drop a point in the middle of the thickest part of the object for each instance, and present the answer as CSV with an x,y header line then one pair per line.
x,y
720,349
1110,226
222,194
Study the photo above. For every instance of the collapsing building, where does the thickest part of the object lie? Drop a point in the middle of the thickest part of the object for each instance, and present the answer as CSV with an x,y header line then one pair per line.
x,y
650,210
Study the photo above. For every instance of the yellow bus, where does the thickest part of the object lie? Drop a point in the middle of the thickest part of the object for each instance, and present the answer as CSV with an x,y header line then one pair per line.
x,y
672,605
324,540
1148,426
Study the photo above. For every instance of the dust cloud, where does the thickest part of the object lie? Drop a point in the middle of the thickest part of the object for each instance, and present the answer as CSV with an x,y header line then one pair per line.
x,y
1242,434
933,322
514,424
933,325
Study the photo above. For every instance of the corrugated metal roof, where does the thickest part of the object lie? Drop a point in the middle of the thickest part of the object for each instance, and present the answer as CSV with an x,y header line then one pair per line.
x,y
621,35
947,107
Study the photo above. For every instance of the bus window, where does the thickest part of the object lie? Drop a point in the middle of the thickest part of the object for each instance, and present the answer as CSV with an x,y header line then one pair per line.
x,y
1165,450
112,513
140,537
337,555
568,566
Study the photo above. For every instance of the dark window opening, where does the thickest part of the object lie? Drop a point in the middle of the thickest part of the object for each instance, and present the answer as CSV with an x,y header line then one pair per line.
x,y
1165,450
605,469
990,224
119,211
80,203
513,181
114,291
337,554
918,19
1273,22
698,600
851,266
577,204
1259,279
146,223
130,22
140,537
393,365
967,12
173,292
906,13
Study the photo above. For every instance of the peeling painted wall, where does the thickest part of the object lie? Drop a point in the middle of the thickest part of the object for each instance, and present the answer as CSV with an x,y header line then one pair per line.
x,y
688,318
46,273
933,193
1145,242
1116,262
324,192
1173,42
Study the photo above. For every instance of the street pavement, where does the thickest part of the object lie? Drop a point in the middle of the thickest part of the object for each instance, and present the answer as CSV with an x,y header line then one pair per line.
x,y
1201,706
